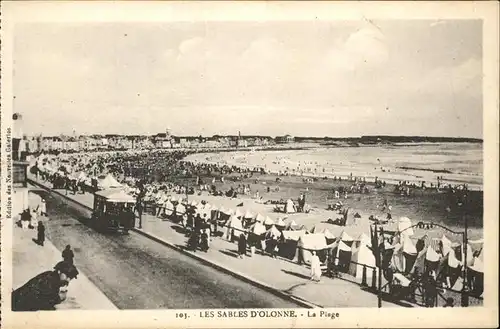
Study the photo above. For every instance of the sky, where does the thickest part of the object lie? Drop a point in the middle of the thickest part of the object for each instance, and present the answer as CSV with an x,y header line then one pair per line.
x,y
304,78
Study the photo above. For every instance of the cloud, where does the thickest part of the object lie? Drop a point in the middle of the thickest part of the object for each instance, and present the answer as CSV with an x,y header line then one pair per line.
x,y
300,77
459,80
264,50
364,48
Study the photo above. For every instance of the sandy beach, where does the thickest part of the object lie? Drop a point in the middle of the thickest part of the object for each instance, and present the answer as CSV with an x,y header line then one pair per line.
x,y
459,163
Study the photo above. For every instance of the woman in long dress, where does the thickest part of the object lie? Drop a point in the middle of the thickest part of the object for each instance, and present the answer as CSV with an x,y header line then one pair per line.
x,y
242,245
315,267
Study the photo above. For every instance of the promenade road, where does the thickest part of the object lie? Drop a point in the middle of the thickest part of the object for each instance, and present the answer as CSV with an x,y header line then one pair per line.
x,y
135,272
281,275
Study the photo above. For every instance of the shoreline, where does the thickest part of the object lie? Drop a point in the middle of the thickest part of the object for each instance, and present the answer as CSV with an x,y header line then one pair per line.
x,y
338,173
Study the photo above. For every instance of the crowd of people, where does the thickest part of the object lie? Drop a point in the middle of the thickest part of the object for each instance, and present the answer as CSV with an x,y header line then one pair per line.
x,y
161,181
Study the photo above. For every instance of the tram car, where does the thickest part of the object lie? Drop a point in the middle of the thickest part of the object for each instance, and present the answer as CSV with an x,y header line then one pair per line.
x,y
113,211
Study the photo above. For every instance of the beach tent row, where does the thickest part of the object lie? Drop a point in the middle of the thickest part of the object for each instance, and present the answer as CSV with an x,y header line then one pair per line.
x,y
103,183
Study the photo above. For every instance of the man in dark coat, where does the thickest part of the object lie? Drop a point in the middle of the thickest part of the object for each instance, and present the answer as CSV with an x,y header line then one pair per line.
x,y
45,290
302,202
193,240
204,241
68,255
41,233
242,245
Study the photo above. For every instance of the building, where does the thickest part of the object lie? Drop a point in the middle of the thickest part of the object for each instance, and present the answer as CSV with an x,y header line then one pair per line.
x,y
242,143
284,139
19,191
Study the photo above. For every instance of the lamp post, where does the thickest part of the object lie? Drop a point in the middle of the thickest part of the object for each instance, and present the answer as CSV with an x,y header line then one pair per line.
x,y
380,264
465,290
377,251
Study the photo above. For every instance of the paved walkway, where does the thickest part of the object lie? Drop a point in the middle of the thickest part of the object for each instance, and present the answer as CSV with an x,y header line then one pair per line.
x,y
280,274
30,259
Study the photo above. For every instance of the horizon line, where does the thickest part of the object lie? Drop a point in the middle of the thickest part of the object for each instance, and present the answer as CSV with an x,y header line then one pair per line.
x,y
263,135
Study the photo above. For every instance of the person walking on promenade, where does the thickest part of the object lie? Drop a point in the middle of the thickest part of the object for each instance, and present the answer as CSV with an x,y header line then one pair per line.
x,y
315,267
41,233
43,208
68,255
25,219
34,221
193,241
242,245
204,244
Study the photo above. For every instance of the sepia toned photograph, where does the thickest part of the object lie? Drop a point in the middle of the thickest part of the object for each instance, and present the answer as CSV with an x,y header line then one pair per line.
x,y
232,169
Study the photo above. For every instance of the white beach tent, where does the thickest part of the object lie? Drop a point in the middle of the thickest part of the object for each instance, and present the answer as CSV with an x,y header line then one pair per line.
x,y
273,232
258,228
235,223
169,208
248,215
345,237
292,235
328,235
114,195
180,209
109,182
409,246
431,255
403,226
453,262
308,243
280,222
291,225
446,245
361,254
398,259
260,218
268,221
477,265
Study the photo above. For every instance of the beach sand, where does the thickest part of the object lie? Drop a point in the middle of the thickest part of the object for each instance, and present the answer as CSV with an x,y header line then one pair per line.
x,y
426,206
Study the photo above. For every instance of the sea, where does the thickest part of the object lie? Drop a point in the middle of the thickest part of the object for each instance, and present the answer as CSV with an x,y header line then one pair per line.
x,y
453,163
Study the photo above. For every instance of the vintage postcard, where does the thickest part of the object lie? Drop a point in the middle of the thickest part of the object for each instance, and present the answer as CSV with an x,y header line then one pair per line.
x,y
249,164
